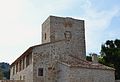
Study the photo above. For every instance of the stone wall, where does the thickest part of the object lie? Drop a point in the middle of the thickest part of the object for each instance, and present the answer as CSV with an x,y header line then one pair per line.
x,y
26,74
44,56
117,80
91,75
63,74
12,81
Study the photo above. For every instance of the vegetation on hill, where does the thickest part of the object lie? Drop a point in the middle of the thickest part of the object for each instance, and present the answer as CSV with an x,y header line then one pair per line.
x,y
4,71
1,74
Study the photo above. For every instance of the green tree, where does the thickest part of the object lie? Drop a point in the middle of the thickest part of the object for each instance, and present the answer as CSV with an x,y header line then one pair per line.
x,y
110,55
6,74
1,74
5,67
89,58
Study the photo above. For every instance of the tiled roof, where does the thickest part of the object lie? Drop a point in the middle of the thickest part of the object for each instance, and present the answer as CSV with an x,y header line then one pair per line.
x,y
85,64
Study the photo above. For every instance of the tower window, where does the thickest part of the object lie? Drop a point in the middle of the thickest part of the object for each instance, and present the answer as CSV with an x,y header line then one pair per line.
x,y
40,71
45,36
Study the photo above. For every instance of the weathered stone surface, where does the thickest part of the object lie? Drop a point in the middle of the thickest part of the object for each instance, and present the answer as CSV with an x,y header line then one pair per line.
x,y
59,28
117,80
26,74
12,81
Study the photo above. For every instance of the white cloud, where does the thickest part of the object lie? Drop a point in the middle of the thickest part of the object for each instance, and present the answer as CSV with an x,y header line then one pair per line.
x,y
96,24
20,22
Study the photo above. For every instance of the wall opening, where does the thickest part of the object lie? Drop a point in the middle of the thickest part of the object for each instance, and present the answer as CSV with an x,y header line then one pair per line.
x,y
45,36
40,71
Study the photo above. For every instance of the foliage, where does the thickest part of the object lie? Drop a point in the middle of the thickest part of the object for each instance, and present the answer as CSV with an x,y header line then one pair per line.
x,y
5,70
89,58
1,74
7,74
110,55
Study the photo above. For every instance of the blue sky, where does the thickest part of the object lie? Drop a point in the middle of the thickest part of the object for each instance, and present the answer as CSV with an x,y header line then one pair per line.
x,y
20,22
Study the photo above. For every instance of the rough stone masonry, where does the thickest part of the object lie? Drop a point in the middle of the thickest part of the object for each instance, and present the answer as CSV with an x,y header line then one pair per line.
x,y
61,57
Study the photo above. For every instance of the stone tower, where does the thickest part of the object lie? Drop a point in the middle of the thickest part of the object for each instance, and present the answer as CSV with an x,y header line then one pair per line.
x,y
69,29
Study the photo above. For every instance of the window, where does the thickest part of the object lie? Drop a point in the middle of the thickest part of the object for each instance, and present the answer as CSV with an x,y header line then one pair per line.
x,y
17,67
45,36
20,65
40,71
23,63
30,58
27,60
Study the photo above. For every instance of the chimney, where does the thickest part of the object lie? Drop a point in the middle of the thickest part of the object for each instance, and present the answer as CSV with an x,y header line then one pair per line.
x,y
94,58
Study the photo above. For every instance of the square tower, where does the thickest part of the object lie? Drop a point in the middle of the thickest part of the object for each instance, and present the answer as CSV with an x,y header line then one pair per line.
x,y
60,28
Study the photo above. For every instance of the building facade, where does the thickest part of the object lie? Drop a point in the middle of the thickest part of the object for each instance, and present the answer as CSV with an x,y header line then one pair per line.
x,y
61,57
